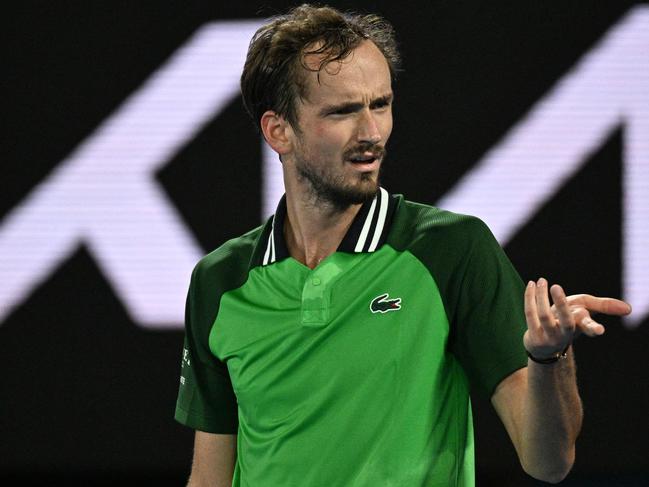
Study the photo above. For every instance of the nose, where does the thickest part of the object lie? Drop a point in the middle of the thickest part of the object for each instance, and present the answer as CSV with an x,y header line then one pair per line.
x,y
368,129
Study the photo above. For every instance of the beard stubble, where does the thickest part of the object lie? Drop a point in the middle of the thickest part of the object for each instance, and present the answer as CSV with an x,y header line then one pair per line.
x,y
333,190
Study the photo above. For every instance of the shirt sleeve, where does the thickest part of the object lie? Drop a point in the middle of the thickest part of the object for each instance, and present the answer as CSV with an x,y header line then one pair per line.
x,y
206,400
489,319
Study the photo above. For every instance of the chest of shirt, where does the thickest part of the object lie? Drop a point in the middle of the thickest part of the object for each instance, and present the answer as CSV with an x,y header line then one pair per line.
x,y
351,317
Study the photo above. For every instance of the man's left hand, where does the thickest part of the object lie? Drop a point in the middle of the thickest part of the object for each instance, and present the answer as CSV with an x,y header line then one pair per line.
x,y
551,329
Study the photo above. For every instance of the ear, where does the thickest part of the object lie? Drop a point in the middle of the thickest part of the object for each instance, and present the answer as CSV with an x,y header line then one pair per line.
x,y
276,131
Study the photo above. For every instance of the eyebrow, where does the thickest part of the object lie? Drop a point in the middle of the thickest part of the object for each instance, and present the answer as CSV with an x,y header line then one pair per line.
x,y
351,107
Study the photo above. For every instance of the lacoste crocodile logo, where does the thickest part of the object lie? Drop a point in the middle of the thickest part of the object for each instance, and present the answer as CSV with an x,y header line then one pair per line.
x,y
381,304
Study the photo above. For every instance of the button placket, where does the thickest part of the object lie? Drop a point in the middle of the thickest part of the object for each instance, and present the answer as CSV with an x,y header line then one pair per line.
x,y
316,293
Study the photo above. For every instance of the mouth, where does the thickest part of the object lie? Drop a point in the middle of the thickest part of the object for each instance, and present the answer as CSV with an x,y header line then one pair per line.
x,y
365,161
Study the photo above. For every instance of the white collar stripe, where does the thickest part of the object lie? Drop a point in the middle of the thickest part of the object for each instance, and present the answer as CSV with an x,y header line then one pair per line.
x,y
366,228
272,244
383,211
269,244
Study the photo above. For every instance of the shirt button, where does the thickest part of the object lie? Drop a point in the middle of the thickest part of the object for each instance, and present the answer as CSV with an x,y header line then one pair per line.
x,y
316,281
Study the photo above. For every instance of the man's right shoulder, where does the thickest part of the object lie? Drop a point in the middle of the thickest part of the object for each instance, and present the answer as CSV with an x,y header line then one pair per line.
x,y
233,258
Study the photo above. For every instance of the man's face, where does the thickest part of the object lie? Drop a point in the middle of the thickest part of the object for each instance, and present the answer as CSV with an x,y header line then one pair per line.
x,y
344,123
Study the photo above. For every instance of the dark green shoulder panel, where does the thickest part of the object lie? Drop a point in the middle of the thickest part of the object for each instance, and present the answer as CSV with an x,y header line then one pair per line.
x,y
481,291
221,270
443,241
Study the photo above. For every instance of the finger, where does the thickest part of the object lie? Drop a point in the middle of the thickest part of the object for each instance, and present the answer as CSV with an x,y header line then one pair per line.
x,y
548,322
585,324
565,316
531,315
579,314
609,306
590,327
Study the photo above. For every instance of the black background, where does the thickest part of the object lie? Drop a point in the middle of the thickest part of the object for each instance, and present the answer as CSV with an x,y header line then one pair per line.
x,y
87,397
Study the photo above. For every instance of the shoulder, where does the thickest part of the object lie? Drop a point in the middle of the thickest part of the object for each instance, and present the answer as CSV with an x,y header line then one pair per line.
x,y
221,270
230,262
417,224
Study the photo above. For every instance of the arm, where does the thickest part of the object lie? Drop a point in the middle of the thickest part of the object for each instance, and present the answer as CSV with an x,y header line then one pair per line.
x,y
214,458
540,405
541,410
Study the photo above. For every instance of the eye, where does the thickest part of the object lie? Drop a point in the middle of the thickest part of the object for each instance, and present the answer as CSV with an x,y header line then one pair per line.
x,y
381,104
341,111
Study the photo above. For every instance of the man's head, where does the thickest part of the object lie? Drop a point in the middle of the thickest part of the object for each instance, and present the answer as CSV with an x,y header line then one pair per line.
x,y
318,82
273,76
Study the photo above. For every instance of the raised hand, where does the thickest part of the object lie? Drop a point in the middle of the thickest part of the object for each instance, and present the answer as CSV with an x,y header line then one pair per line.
x,y
551,329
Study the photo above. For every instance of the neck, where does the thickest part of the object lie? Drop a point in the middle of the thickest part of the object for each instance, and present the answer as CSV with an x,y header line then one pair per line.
x,y
314,231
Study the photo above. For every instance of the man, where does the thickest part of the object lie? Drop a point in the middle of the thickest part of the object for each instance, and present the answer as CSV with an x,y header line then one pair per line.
x,y
335,345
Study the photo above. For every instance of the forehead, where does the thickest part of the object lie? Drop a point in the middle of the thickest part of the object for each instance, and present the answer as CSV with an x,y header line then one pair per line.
x,y
363,74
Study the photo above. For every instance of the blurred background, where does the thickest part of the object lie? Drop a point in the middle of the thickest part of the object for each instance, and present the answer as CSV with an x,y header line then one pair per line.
x,y
127,155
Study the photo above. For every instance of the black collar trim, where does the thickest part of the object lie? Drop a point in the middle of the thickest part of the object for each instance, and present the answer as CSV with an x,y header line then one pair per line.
x,y
367,232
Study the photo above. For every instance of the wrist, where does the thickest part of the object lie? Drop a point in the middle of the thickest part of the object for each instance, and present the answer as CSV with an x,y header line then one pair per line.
x,y
551,359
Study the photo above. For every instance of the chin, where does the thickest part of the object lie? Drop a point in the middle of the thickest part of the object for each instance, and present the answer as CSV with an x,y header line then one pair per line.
x,y
363,191
369,183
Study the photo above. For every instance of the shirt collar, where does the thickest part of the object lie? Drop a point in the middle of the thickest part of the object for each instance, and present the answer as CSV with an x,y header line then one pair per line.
x,y
367,232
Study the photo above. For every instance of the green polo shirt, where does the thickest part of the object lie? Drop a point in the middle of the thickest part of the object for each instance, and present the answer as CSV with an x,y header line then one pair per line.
x,y
355,373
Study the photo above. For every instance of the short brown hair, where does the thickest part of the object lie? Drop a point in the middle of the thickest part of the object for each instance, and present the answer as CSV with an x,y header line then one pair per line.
x,y
272,77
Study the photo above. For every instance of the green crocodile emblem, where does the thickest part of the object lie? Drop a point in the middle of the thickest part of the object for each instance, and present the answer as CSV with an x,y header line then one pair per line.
x,y
381,304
